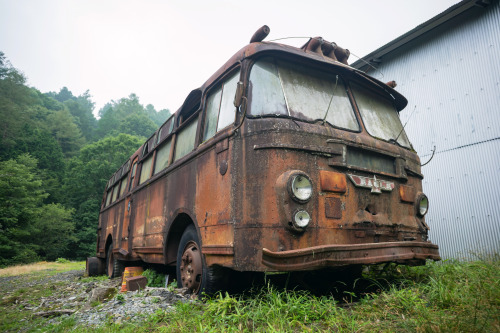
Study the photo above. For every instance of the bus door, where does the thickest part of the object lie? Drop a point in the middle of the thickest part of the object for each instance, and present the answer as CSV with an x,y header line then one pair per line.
x,y
126,241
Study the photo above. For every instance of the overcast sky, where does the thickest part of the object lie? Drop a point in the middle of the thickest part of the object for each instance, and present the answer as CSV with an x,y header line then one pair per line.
x,y
161,50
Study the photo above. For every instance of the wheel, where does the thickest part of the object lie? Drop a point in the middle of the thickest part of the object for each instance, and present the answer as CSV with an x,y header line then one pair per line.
x,y
94,266
192,272
114,267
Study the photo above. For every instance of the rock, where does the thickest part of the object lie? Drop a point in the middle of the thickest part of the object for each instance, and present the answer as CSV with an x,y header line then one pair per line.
x,y
100,294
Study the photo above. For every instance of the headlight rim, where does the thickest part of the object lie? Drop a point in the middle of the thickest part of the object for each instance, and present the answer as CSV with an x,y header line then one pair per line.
x,y
420,198
290,184
295,225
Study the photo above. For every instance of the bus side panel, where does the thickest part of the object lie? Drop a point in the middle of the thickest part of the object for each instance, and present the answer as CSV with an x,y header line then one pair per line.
x,y
213,204
147,222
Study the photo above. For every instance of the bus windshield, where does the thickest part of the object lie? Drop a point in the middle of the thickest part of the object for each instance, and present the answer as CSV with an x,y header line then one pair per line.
x,y
284,89
379,116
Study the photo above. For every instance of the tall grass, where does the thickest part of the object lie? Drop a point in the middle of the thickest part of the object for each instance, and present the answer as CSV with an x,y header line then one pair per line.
x,y
439,297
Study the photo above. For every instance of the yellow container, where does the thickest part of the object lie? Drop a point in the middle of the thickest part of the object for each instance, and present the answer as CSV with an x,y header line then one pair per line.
x,y
129,272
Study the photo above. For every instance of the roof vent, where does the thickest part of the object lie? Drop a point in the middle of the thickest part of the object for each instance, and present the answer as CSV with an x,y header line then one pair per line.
x,y
328,49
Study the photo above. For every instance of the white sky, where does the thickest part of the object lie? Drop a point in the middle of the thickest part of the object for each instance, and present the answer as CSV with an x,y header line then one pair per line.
x,y
161,50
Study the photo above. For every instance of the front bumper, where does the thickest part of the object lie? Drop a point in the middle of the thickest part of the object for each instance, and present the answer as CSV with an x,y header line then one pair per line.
x,y
355,254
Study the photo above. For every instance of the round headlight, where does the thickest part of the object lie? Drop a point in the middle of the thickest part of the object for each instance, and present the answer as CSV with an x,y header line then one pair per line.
x,y
422,205
301,187
301,219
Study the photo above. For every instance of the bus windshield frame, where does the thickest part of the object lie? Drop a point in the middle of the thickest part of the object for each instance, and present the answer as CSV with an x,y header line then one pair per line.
x,y
279,88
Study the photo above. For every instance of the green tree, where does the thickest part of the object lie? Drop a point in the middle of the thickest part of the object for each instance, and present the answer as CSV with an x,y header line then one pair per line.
x,y
128,116
138,124
54,231
29,229
86,178
157,117
65,131
15,98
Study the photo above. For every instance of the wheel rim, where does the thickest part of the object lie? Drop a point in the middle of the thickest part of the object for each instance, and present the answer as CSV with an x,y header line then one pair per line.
x,y
191,267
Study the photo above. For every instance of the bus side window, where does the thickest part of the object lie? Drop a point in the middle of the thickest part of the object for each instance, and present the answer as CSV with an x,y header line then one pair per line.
x,y
146,169
108,197
123,185
162,155
185,139
220,111
134,168
115,192
227,108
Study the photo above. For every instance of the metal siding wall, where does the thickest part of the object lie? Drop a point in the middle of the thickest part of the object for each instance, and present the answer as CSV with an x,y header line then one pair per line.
x,y
452,75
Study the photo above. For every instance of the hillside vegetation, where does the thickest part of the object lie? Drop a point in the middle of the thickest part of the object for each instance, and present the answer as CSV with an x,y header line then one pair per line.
x,y
55,160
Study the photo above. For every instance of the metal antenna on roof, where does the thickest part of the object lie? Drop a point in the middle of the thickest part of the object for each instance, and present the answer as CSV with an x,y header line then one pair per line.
x,y
366,62
273,40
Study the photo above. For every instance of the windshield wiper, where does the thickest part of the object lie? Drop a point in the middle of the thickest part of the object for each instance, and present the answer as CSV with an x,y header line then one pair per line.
x,y
402,129
331,99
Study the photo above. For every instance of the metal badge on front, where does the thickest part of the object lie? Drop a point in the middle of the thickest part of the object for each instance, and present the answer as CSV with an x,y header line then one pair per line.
x,y
376,185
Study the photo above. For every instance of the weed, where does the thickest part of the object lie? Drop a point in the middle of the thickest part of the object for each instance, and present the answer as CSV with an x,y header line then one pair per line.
x,y
155,279
62,261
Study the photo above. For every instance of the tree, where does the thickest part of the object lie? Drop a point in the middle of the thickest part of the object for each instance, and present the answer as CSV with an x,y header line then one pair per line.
x,y
15,98
130,117
138,124
29,229
65,131
86,178
54,231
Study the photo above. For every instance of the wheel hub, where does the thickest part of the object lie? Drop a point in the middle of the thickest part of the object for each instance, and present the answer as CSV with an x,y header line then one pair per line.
x,y
191,267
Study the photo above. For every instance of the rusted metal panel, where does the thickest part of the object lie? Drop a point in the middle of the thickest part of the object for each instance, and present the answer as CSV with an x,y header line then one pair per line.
x,y
333,208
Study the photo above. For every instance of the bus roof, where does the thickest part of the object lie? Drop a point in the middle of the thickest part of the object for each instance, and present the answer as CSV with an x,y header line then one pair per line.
x,y
316,49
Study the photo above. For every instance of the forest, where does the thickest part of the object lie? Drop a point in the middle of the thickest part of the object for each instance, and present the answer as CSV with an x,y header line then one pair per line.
x,y
55,160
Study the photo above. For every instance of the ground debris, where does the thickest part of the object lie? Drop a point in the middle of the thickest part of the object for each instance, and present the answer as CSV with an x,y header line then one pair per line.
x,y
52,313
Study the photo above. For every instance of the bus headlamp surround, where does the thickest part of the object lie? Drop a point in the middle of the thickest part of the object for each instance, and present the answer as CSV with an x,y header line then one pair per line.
x,y
300,187
422,204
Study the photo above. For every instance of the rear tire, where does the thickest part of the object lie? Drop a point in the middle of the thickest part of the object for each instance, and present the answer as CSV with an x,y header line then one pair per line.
x,y
114,267
192,272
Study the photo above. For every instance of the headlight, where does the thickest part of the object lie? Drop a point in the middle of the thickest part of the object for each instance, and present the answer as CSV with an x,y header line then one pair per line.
x,y
300,187
422,204
301,219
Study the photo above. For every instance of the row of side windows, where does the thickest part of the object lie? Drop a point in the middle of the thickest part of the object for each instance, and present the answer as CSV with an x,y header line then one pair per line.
x,y
117,191
219,114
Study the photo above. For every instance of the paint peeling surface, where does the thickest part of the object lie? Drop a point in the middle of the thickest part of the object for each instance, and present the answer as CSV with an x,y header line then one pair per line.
x,y
294,182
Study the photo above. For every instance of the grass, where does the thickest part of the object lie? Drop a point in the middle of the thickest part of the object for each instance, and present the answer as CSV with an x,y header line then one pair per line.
x,y
438,297
54,267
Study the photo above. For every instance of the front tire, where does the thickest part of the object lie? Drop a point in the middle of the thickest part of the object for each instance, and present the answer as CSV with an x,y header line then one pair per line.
x,y
192,272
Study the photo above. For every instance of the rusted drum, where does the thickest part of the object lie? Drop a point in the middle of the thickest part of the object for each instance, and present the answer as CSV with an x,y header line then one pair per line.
x,y
130,272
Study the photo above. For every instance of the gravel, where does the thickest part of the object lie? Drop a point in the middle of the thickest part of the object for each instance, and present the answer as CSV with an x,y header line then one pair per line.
x,y
90,303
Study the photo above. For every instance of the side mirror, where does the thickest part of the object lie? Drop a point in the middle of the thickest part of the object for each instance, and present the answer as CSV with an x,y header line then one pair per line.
x,y
239,94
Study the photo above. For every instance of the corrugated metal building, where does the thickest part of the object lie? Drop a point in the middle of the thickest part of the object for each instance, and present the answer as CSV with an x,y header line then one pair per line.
x,y
449,69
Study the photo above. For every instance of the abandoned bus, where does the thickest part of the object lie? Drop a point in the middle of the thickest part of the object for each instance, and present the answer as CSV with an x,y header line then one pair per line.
x,y
287,159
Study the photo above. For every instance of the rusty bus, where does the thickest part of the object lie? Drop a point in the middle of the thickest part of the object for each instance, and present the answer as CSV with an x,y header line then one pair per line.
x,y
287,159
